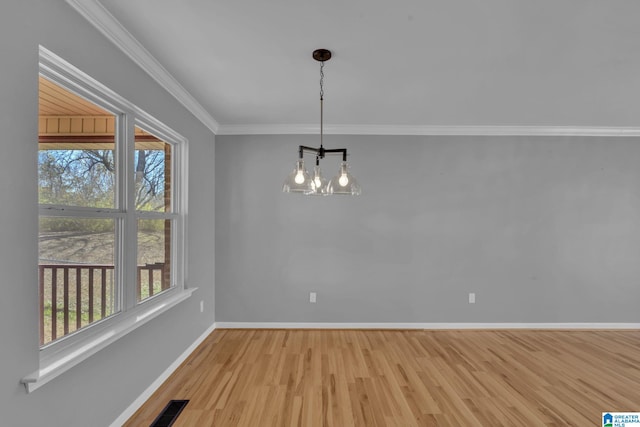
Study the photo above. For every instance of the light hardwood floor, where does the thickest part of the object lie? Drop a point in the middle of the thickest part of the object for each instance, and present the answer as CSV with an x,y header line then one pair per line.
x,y
398,378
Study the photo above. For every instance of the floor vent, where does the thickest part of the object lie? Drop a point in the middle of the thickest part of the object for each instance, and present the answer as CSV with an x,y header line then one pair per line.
x,y
170,413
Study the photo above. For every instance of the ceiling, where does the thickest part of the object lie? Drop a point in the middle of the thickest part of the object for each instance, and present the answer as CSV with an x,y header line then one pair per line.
x,y
54,100
400,63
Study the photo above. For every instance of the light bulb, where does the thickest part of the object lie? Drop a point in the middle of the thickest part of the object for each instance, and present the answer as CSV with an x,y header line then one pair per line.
x,y
343,180
299,179
317,181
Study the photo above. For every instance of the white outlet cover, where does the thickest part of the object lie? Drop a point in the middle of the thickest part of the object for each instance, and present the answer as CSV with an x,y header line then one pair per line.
x,y
312,297
472,298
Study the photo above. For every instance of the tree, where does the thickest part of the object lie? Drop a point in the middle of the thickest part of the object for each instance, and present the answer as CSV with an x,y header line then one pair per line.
x,y
87,178
150,180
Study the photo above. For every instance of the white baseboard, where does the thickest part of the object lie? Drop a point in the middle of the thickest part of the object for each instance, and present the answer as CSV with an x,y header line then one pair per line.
x,y
162,378
321,325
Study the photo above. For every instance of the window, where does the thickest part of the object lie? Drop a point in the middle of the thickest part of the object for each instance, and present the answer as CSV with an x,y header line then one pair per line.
x,y
153,211
112,200
79,215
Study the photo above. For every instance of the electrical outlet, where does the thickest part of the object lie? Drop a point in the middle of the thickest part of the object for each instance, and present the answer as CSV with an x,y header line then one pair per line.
x,y
312,297
201,306
472,298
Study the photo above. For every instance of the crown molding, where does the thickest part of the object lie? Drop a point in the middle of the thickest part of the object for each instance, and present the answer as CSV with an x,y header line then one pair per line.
x,y
94,12
304,129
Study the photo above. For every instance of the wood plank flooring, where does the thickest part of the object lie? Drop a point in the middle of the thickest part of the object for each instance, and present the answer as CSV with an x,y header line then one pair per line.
x,y
403,378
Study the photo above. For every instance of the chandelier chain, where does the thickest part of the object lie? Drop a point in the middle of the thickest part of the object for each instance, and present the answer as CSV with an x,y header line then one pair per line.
x,y
321,81
321,102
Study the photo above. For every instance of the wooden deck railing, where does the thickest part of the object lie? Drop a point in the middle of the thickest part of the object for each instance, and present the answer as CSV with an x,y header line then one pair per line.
x,y
76,295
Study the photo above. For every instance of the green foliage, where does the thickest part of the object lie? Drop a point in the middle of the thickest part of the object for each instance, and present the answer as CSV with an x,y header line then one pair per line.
x,y
85,225
151,225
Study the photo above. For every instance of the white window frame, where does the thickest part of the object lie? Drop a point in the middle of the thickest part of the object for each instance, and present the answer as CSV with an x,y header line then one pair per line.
x,y
60,355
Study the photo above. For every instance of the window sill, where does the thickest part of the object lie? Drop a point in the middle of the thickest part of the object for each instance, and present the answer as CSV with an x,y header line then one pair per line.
x,y
73,355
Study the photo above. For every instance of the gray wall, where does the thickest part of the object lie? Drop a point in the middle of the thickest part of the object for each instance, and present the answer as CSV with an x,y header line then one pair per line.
x,y
543,229
95,392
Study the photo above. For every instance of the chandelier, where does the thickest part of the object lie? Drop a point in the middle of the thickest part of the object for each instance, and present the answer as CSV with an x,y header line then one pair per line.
x,y
300,181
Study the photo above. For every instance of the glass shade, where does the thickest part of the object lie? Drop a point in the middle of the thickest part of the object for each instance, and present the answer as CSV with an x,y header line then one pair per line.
x,y
298,181
318,183
344,183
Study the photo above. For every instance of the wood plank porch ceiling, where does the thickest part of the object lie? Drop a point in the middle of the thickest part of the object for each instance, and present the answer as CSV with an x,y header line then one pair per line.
x,y
68,121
